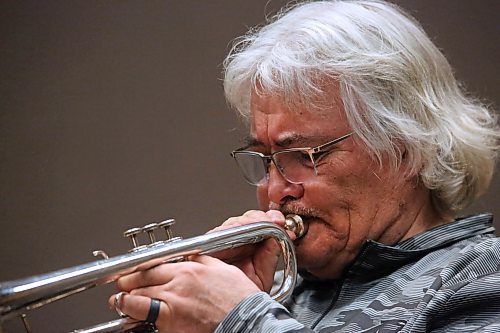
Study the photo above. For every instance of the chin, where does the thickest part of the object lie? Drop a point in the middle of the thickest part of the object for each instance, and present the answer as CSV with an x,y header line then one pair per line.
x,y
310,258
318,255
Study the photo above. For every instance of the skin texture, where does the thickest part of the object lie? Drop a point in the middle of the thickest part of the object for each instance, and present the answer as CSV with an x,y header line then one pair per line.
x,y
195,295
350,200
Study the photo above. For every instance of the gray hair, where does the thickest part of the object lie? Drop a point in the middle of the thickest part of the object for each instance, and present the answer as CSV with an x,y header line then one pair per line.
x,y
396,87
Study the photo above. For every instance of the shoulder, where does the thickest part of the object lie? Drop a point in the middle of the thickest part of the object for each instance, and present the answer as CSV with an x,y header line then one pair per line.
x,y
461,261
465,292
470,299
471,259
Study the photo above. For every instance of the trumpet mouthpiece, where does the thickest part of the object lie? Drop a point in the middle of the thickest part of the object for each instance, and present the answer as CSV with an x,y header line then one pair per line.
x,y
295,224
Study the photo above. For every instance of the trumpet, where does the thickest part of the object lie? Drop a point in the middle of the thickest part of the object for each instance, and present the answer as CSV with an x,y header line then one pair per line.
x,y
19,296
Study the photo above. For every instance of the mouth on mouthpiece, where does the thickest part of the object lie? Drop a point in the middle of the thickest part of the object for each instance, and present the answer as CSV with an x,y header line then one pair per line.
x,y
295,224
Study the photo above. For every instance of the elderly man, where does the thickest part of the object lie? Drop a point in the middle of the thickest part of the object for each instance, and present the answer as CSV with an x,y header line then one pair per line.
x,y
356,124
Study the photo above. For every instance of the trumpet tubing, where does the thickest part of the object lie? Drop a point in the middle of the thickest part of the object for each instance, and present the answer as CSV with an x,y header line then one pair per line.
x,y
19,296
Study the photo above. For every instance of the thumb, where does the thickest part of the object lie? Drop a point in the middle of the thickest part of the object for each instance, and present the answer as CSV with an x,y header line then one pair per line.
x,y
265,262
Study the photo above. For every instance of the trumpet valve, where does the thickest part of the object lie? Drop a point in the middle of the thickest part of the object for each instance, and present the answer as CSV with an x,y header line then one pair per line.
x,y
150,230
132,234
167,226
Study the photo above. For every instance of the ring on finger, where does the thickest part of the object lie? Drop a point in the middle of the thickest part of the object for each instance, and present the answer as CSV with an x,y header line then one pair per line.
x,y
154,311
118,302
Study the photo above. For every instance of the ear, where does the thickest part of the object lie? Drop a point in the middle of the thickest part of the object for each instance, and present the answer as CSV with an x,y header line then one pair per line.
x,y
400,148
407,164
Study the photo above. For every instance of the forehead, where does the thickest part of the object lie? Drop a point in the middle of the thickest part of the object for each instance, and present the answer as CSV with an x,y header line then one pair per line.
x,y
273,120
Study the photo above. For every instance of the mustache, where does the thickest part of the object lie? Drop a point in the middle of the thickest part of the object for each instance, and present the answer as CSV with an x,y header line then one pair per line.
x,y
293,208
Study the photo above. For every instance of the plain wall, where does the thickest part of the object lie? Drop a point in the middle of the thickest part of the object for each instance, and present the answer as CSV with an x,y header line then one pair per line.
x,y
112,116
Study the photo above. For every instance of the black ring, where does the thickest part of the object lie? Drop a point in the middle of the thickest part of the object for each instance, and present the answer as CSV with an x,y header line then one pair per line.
x,y
154,311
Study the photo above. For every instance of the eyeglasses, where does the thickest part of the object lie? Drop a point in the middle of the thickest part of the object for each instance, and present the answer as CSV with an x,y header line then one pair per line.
x,y
296,165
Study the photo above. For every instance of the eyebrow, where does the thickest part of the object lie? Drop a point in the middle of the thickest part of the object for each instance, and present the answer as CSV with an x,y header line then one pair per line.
x,y
292,139
287,141
250,141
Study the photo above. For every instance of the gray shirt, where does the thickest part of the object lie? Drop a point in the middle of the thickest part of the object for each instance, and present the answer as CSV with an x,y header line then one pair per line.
x,y
446,279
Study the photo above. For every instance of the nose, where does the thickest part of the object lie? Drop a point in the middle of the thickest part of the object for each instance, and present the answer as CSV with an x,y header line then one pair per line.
x,y
279,190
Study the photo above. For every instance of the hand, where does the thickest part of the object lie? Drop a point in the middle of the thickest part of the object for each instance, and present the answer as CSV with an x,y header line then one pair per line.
x,y
195,295
257,261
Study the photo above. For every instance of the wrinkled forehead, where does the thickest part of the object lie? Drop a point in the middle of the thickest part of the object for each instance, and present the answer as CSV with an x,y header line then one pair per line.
x,y
274,121
325,107
324,98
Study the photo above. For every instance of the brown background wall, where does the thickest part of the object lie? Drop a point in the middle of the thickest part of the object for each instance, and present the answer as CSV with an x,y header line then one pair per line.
x,y
112,115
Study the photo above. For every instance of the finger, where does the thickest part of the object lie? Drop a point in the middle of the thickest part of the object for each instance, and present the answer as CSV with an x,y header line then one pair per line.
x,y
206,260
235,254
254,214
248,217
231,222
266,261
138,306
275,216
221,257
155,276
246,266
261,268
114,301
278,218
141,279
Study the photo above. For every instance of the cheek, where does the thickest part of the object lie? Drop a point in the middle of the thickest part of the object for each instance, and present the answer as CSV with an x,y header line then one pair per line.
x,y
352,178
366,200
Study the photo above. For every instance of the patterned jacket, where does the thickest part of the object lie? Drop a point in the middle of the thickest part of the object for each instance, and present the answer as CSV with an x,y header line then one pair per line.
x,y
444,280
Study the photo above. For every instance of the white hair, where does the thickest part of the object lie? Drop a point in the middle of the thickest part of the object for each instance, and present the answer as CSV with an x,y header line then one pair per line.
x,y
396,87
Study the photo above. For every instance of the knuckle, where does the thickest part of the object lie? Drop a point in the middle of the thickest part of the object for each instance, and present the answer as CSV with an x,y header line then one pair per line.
x,y
122,284
230,221
253,213
189,271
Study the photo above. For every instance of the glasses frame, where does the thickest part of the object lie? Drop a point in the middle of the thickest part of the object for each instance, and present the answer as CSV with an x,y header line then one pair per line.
x,y
267,159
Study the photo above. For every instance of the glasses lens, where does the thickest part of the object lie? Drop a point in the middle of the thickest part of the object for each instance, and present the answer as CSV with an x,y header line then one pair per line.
x,y
295,166
252,165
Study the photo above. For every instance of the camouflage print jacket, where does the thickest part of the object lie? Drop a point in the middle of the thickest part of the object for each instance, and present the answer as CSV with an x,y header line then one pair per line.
x,y
444,280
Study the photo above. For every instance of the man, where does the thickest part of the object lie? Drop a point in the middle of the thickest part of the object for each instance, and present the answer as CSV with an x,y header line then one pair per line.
x,y
357,124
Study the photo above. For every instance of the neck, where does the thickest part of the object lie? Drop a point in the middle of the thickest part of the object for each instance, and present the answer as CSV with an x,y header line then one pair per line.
x,y
417,215
426,217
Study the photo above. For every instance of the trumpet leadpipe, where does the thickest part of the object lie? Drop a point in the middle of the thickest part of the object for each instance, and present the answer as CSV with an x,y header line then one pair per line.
x,y
19,296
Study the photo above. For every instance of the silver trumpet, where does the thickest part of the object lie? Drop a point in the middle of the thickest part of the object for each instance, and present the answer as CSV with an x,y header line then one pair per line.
x,y
19,296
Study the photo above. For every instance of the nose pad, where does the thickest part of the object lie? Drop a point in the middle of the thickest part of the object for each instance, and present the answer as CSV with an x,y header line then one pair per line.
x,y
279,189
277,170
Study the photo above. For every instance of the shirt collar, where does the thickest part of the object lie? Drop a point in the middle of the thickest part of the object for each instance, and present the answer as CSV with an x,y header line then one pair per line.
x,y
376,259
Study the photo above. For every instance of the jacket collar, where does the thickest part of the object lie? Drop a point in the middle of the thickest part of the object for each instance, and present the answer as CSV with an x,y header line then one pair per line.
x,y
376,259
